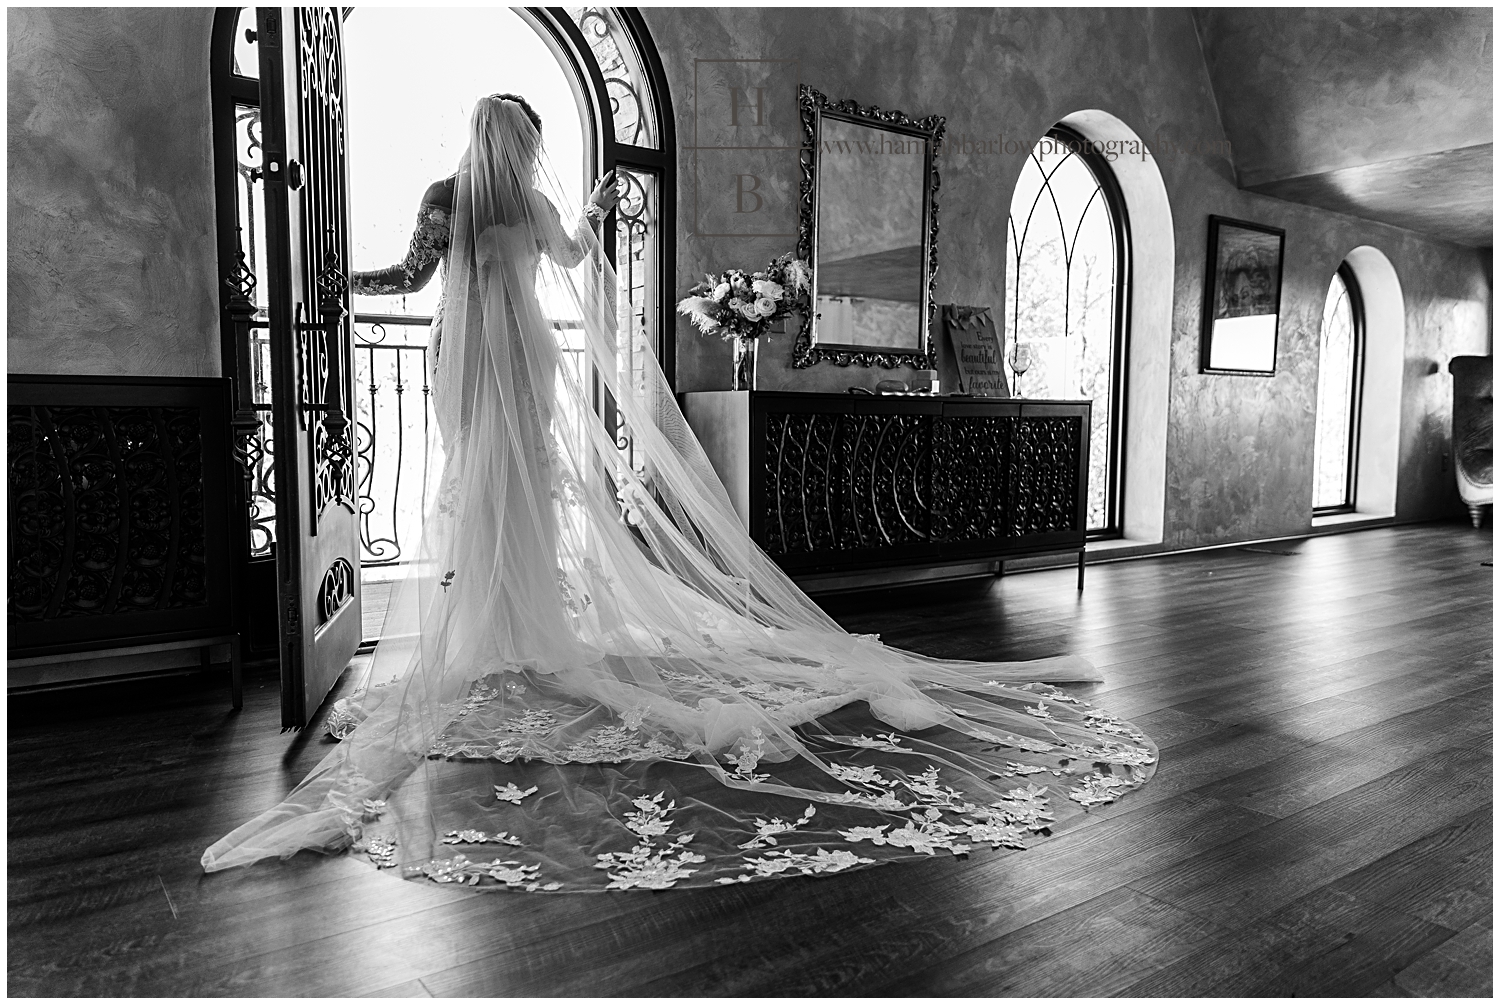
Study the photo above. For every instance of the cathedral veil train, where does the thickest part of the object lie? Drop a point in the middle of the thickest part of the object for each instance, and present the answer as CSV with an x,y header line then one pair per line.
x,y
592,679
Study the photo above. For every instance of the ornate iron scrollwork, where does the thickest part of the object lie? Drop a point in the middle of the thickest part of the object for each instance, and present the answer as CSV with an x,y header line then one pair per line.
x,y
813,104
1043,494
241,281
970,471
324,360
325,350
336,591
633,125
332,284
107,511
837,482
251,441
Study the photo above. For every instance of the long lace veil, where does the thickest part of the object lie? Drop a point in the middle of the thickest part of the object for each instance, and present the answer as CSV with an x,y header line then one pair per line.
x,y
592,678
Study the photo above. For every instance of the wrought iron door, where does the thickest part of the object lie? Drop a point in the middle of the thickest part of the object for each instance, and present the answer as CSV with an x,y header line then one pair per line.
x,y
312,353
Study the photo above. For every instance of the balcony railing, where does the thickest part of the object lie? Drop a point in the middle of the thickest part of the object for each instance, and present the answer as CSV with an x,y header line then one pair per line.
x,y
396,453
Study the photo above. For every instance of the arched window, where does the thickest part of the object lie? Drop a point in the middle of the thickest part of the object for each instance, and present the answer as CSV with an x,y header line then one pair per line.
x,y
1341,352
598,82
1066,295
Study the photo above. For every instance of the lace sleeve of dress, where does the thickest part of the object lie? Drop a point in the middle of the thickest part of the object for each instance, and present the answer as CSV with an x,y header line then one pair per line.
x,y
429,243
562,247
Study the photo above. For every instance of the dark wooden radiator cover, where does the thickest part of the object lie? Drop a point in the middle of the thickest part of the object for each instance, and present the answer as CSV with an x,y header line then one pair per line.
x,y
119,519
840,481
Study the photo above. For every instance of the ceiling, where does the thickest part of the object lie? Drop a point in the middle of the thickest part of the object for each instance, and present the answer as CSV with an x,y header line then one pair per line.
x,y
1381,113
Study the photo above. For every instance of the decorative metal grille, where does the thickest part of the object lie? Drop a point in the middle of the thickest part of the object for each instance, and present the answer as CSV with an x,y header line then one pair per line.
x,y
634,123
970,477
1044,485
636,235
839,482
107,511
394,450
843,482
336,590
320,109
259,448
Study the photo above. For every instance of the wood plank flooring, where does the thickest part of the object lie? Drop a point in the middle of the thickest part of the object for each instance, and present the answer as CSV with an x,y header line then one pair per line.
x,y
1320,823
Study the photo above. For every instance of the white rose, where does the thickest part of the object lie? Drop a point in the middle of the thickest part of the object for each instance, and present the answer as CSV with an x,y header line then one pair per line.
x,y
749,310
768,289
765,307
721,291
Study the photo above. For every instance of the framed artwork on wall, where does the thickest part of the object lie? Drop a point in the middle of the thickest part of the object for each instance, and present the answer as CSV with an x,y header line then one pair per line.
x,y
1241,297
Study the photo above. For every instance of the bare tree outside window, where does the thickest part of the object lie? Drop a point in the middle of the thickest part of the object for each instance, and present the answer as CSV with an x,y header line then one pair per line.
x,y
1062,297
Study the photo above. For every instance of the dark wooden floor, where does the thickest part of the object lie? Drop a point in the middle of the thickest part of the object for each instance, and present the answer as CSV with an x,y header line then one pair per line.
x,y
1320,824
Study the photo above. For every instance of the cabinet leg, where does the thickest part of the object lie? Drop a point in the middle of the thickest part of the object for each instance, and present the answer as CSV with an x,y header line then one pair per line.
x,y
1080,572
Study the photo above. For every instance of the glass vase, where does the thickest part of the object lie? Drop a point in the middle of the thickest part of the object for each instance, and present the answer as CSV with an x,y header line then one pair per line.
x,y
743,376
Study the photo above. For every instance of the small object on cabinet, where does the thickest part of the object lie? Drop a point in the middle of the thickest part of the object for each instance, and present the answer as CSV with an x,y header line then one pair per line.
x,y
891,387
924,382
1020,361
978,349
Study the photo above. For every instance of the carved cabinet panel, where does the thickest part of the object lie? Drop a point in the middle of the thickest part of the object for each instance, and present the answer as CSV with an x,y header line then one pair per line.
x,y
118,509
839,482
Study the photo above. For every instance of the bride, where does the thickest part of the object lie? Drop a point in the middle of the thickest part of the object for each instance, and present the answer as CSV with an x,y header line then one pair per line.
x,y
591,678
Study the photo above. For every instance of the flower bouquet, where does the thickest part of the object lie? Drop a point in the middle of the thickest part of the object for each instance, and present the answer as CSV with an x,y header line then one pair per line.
x,y
742,306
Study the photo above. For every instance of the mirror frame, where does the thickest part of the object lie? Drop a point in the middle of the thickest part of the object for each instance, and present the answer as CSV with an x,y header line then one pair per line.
x,y
814,106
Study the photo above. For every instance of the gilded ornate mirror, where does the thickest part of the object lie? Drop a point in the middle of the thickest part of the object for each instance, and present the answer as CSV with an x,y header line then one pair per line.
x,y
867,223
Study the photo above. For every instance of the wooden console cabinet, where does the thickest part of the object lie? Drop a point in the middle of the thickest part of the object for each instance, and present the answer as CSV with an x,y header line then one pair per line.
x,y
842,482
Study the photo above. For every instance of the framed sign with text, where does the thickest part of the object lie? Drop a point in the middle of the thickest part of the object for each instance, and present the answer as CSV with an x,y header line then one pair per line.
x,y
978,349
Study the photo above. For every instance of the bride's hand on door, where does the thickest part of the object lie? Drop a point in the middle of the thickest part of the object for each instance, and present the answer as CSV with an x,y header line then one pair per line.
x,y
606,194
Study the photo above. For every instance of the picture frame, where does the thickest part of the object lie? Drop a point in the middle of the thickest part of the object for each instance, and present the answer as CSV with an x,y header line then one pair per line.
x,y
1241,297
978,350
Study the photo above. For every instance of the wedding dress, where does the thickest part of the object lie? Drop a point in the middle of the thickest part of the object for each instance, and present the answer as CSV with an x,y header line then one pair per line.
x,y
593,679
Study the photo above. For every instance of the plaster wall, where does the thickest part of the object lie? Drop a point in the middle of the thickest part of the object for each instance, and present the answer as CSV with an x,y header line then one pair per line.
x,y
110,194
1238,449
112,251
1394,83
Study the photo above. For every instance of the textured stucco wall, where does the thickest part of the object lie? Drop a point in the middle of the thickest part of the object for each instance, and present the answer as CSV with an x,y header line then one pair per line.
x,y
1386,84
1239,449
110,229
111,223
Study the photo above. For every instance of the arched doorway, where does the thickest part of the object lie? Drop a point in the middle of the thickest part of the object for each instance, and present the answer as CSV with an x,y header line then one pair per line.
x,y
605,94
